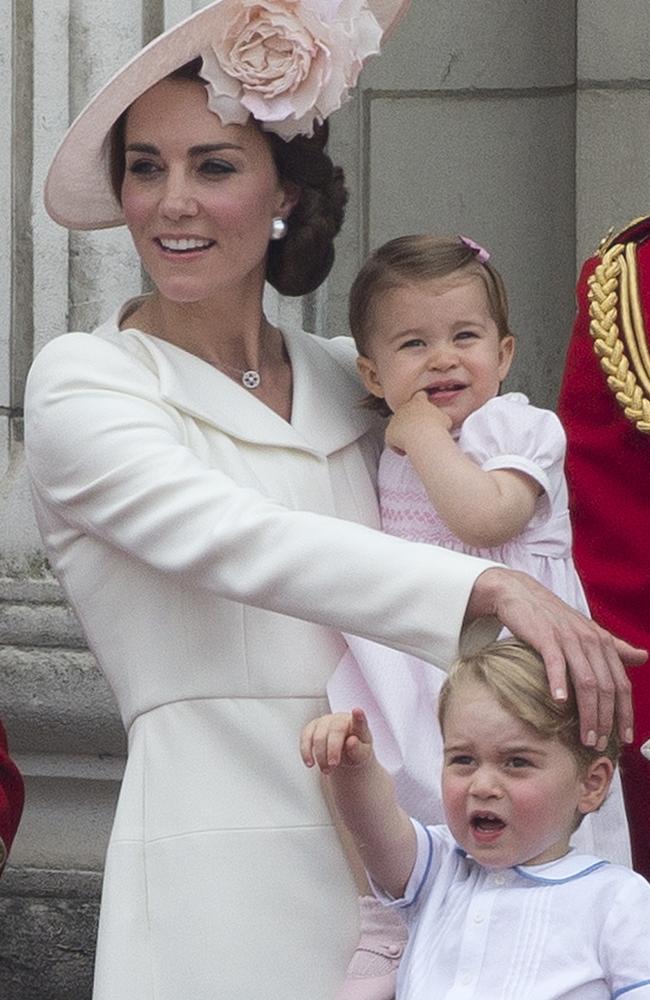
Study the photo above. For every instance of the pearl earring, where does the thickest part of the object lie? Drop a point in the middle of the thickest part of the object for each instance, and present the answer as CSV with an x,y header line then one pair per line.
x,y
278,228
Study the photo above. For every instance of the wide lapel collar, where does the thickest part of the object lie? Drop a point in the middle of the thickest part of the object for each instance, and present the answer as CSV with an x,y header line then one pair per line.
x,y
326,411
327,393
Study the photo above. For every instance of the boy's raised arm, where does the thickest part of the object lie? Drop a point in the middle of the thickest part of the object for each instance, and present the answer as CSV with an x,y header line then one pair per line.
x,y
341,746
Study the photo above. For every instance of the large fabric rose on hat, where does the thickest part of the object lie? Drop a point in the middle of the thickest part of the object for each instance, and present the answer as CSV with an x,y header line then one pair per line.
x,y
286,62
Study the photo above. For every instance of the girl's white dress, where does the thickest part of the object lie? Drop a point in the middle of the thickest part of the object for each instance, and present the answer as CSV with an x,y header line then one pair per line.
x,y
399,692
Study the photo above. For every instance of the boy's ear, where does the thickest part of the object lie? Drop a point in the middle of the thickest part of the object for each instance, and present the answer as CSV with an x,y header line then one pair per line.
x,y
595,785
368,373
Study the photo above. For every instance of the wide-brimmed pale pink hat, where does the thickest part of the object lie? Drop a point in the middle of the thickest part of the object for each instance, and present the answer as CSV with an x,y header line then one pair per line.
x,y
288,63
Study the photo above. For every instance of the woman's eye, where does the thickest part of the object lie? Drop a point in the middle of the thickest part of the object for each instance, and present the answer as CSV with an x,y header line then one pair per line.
x,y
143,168
216,167
461,759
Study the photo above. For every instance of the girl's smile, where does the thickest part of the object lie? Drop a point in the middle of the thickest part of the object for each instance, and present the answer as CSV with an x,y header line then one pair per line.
x,y
439,336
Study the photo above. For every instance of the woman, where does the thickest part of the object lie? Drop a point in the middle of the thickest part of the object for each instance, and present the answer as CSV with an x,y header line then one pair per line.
x,y
197,476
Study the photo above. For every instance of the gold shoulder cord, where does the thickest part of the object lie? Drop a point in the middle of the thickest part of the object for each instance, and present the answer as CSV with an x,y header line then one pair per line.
x,y
626,364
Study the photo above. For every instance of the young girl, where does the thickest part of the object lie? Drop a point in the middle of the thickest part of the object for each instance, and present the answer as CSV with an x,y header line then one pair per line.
x,y
464,468
498,904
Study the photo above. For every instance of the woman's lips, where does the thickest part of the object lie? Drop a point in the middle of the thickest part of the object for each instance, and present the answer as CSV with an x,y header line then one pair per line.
x,y
183,246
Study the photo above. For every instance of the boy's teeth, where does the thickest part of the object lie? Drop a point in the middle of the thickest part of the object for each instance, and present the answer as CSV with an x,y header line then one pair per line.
x,y
487,822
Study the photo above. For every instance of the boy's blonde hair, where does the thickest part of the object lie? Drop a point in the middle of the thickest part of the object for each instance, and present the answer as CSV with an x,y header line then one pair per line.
x,y
515,675
408,260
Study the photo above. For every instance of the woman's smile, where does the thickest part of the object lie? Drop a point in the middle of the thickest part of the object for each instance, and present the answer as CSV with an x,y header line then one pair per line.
x,y
183,245
198,192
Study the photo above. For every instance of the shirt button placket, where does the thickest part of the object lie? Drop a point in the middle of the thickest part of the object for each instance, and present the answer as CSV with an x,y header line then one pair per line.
x,y
475,938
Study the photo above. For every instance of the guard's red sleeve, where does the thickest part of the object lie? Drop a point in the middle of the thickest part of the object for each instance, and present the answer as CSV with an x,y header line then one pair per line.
x,y
11,798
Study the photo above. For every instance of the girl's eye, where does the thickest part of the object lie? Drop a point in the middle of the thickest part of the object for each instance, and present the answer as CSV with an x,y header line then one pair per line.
x,y
216,167
413,342
467,335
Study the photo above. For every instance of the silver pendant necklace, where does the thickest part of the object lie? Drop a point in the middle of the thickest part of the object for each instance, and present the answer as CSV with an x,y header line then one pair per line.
x,y
250,379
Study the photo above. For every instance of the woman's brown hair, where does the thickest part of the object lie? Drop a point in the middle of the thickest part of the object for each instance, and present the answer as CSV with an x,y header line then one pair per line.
x,y
300,262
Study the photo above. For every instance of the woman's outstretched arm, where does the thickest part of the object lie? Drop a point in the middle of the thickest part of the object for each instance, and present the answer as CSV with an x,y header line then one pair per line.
x,y
110,457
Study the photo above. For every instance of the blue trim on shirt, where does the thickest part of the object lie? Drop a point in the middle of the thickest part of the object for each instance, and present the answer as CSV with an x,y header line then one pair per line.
x,y
428,864
634,986
559,881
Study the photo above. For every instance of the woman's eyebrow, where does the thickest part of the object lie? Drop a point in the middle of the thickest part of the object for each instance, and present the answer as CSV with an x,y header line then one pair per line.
x,y
142,147
146,147
212,148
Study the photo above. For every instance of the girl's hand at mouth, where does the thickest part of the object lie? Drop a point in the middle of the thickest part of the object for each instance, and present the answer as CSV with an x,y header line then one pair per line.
x,y
418,415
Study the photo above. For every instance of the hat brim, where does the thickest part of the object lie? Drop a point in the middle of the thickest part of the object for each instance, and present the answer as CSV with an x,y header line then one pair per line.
x,y
78,191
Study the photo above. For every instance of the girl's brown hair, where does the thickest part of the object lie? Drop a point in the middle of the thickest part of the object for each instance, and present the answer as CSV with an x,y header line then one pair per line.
x,y
407,260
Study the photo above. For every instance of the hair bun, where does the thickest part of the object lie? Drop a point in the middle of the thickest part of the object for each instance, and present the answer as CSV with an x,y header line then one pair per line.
x,y
300,262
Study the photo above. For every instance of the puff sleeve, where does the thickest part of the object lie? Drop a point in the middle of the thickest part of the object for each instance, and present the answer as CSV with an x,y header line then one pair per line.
x,y
508,433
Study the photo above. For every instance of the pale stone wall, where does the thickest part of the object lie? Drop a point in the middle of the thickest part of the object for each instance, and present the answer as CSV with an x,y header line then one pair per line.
x,y
523,124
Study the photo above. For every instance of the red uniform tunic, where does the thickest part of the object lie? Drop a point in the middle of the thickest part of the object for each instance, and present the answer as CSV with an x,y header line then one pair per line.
x,y
608,472
11,799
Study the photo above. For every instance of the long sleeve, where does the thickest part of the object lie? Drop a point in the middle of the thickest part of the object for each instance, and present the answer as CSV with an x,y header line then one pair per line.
x,y
111,458
12,796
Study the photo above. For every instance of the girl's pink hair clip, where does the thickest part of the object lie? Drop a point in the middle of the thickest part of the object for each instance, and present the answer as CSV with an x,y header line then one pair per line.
x,y
480,251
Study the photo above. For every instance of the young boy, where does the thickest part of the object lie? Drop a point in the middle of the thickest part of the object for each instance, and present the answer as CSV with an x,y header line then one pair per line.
x,y
497,903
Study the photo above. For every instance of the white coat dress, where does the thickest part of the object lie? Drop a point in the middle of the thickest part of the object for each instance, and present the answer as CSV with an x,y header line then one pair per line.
x,y
210,551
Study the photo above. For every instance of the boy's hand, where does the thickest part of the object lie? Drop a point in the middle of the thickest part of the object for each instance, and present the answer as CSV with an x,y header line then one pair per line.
x,y
342,739
416,416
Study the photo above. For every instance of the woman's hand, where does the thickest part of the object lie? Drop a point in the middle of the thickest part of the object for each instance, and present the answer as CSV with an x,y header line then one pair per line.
x,y
342,739
566,640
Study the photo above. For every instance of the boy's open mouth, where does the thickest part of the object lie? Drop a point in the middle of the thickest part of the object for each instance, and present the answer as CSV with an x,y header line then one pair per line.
x,y
486,823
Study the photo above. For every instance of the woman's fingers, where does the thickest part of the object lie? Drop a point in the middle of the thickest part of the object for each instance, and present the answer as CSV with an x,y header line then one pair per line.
x,y
567,641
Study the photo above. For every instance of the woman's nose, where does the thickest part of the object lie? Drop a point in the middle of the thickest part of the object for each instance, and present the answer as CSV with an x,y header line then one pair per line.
x,y
178,200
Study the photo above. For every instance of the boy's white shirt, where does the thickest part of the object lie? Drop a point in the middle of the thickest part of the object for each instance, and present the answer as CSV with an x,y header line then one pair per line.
x,y
576,928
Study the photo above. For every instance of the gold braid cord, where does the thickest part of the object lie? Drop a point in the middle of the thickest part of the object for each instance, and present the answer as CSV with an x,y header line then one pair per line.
x,y
625,360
